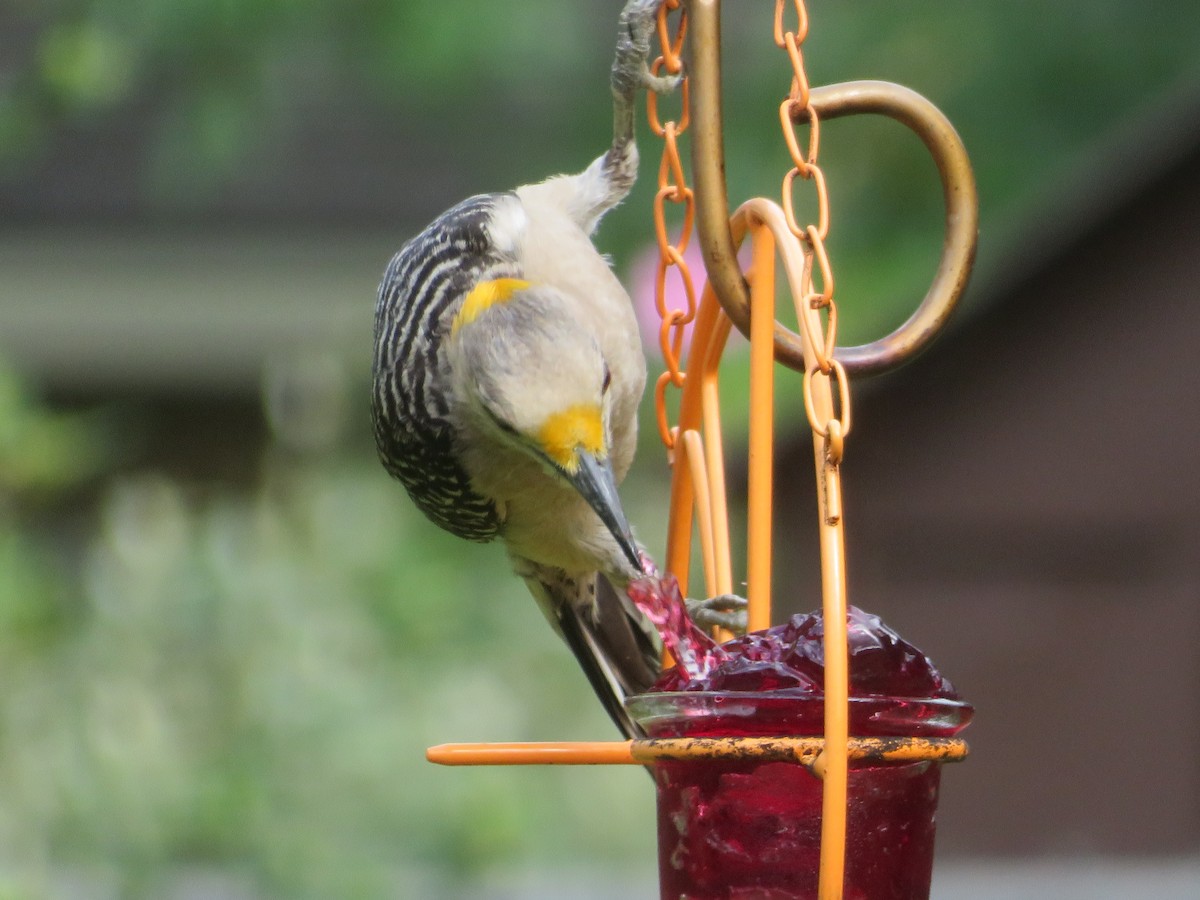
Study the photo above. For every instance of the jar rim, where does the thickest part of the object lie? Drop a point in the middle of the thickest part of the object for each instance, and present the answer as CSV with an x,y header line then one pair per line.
x,y
674,713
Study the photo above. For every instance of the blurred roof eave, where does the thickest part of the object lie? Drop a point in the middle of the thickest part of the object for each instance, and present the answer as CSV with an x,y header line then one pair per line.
x,y
93,307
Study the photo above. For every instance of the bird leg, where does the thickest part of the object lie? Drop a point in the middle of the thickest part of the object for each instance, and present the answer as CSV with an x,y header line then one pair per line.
x,y
630,71
728,611
608,180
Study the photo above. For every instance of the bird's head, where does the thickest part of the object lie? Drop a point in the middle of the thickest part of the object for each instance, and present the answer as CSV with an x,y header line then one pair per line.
x,y
535,379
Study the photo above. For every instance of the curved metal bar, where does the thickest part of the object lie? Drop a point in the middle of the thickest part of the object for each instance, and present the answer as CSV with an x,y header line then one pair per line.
x,y
831,101
708,172
962,214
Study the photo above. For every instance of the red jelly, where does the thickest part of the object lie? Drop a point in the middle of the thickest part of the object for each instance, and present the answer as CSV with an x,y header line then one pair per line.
x,y
753,830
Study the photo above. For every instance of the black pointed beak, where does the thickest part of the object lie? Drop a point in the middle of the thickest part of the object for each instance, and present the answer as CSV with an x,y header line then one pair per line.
x,y
595,481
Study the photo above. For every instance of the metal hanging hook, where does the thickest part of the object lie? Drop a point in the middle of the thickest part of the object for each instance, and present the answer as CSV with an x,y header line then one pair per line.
x,y
830,102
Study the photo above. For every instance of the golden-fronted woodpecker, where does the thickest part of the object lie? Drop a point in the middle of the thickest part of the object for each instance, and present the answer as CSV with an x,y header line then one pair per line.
x,y
507,375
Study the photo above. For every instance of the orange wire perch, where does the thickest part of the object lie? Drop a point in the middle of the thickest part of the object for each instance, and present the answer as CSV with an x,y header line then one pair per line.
x,y
731,297
804,750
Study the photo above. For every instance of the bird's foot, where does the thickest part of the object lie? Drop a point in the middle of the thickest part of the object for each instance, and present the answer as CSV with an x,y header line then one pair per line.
x,y
609,179
728,611
660,84
630,69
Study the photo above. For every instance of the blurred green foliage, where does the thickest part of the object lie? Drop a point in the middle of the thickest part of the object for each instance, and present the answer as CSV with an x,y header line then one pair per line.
x,y
238,682
244,683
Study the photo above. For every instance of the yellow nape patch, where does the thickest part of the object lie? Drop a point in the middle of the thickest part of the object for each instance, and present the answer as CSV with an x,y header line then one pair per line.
x,y
483,295
576,428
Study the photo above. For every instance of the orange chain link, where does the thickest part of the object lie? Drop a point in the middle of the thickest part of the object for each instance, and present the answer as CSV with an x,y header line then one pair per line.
x,y
798,107
673,187
830,421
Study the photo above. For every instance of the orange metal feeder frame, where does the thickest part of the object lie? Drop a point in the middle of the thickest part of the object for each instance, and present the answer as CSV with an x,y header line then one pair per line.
x,y
747,300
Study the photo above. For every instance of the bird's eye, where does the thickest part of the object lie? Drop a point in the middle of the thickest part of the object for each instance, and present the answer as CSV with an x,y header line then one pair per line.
x,y
607,380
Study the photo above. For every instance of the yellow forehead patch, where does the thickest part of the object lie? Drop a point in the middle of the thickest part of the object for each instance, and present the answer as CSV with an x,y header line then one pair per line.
x,y
483,295
575,428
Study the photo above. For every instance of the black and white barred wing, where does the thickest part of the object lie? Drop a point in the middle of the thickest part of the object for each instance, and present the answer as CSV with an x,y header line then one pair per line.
x,y
422,289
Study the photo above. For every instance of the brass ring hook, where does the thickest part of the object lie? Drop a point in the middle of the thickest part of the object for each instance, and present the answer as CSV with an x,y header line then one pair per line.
x,y
831,101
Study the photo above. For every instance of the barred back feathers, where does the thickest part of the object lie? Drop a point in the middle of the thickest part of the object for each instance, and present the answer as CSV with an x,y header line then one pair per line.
x,y
421,291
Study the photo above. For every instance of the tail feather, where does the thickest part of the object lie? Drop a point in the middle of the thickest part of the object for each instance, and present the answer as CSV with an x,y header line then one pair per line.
x,y
612,642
